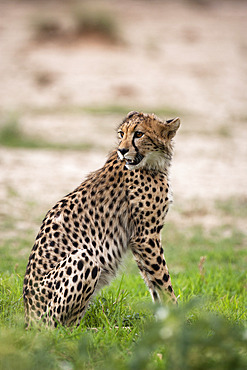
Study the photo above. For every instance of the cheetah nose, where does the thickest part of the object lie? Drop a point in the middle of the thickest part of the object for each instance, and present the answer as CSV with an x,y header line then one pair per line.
x,y
123,151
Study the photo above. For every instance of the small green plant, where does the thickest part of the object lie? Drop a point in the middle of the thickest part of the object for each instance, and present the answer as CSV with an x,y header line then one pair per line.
x,y
96,22
10,133
224,131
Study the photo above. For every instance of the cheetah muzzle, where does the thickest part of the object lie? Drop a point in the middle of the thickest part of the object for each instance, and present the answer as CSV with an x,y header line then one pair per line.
x,y
136,161
84,236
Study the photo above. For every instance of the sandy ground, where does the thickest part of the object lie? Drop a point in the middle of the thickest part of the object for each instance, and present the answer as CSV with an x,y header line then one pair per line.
x,y
187,57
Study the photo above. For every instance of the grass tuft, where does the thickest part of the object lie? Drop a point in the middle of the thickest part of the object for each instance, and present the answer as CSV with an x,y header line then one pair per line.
x,y
82,21
96,22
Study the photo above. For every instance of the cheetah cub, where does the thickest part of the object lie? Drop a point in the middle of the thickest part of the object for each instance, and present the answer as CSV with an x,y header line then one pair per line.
x,y
85,235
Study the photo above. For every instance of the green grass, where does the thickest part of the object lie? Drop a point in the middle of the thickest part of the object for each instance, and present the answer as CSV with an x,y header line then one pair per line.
x,y
11,135
106,109
235,206
119,331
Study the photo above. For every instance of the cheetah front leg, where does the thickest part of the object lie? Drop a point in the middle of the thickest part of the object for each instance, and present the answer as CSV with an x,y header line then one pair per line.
x,y
152,265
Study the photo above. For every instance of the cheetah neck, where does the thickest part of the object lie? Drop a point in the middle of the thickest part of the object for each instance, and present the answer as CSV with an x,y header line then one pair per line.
x,y
155,161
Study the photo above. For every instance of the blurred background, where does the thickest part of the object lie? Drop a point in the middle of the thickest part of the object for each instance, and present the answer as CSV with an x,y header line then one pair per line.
x,y
71,70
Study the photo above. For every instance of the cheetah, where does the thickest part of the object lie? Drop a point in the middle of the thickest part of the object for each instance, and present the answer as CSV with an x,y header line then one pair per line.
x,y
120,207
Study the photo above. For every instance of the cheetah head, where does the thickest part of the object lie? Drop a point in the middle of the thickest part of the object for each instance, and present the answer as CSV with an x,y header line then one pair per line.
x,y
145,141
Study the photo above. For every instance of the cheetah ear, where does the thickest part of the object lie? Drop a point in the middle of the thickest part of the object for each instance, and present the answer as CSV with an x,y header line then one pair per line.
x,y
172,126
132,113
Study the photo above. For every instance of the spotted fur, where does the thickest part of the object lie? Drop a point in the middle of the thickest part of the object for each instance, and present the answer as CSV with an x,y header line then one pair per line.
x,y
85,235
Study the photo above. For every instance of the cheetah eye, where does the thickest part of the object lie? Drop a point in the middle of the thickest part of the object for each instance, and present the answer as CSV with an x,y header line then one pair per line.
x,y
138,134
120,134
